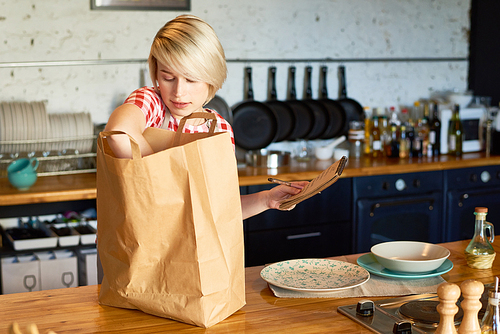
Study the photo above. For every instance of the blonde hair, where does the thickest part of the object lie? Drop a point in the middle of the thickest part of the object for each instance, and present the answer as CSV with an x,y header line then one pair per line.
x,y
189,46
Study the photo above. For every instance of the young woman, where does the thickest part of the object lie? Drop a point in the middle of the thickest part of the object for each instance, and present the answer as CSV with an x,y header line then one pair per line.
x,y
187,67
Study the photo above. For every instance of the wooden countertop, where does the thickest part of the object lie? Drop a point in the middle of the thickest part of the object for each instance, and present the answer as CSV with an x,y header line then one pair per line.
x,y
83,186
76,310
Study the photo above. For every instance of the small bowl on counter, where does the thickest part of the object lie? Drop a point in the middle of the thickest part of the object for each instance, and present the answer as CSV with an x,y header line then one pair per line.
x,y
410,256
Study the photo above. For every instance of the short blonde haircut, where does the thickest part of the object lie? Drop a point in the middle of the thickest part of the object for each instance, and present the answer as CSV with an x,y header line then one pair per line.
x,y
189,46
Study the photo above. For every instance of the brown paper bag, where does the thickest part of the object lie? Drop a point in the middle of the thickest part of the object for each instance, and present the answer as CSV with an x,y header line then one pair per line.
x,y
170,233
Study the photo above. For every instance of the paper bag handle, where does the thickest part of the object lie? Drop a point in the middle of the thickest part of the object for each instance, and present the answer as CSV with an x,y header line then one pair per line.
x,y
136,150
205,115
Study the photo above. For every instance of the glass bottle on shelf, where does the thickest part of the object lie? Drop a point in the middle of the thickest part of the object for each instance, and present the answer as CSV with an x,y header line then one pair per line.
x,y
455,133
392,147
368,131
490,324
404,144
376,140
435,131
480,253
355,137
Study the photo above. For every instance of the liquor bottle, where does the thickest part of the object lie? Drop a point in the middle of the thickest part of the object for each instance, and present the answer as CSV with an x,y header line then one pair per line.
x,y
424,130
392,147
410,134
455,133
376,140
368,131
435,131
383,125
404,144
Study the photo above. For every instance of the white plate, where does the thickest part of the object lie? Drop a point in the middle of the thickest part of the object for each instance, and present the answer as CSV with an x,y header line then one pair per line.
x,y
9,125
3,131
315,275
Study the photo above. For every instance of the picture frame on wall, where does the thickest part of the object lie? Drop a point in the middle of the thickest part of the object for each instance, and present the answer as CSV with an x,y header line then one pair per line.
x,y
140,4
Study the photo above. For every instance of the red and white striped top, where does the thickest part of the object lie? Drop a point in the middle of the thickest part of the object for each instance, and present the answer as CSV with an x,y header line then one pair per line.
x,y
151,104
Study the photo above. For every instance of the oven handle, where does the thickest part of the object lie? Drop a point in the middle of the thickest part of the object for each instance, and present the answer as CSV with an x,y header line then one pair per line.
x,y
405,202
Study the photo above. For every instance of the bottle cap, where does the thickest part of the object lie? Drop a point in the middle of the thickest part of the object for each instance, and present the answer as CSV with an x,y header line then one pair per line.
x,y
481,210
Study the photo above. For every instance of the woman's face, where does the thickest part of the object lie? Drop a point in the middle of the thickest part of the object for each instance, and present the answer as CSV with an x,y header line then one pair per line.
x,y
181,96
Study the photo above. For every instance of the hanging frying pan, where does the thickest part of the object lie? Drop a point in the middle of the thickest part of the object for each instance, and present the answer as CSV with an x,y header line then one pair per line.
x,y
303,113
354,111
335,110
254,123
321,116
219,104
283,111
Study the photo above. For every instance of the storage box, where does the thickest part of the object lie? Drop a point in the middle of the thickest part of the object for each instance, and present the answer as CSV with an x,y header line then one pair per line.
x,y
20,274
58,269
87,265
49,241
70,236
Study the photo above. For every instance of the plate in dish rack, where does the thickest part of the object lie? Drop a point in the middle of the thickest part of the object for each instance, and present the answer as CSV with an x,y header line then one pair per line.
x,y
314,275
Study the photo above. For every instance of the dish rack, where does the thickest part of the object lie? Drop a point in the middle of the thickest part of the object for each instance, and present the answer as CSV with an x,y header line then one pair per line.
x,y
61,159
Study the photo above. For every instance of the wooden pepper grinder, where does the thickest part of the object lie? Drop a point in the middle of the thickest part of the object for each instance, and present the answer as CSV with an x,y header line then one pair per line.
x,y
471,291
448,294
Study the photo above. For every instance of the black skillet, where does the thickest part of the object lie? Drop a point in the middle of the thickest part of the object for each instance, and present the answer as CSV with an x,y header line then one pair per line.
x,y
354,111
321,115
219,104
285,114
254,123
335,110
303,113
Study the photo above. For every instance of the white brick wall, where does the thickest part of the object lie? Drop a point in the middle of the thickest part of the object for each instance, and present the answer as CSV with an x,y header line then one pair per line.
x,y
56,30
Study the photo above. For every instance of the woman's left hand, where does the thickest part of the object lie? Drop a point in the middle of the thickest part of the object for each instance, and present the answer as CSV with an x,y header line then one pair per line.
x,y
280,193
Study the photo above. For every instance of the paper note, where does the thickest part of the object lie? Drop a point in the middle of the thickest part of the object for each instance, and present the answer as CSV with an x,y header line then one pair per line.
x,y
327,177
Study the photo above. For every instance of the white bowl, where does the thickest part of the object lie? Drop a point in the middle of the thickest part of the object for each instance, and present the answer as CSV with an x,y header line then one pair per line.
x,y
410,256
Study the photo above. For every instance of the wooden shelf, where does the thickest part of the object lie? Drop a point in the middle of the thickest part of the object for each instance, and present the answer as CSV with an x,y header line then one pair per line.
x,y
83,186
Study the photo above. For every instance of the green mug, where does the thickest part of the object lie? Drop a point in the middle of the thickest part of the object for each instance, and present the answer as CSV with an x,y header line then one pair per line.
x,y
22,173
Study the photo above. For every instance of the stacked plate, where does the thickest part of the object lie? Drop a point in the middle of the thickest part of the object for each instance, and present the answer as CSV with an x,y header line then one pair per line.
x,y
75,131
406,260
26,127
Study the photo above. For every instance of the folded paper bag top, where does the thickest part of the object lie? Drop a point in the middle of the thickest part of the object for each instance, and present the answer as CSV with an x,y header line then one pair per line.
x,y
171,245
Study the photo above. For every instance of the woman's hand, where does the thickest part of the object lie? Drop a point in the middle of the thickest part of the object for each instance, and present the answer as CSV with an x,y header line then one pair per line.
x,y
256,203
280,193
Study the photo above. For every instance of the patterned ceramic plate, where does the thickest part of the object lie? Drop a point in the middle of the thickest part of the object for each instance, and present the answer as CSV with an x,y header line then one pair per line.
x,y
314,275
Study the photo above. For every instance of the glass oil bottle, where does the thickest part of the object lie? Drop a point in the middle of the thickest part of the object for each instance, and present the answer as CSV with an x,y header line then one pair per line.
x,y
480,253
490,324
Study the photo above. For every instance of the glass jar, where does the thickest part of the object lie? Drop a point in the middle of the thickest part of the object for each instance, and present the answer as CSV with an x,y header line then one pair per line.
x,y
356,137
480,253
490,324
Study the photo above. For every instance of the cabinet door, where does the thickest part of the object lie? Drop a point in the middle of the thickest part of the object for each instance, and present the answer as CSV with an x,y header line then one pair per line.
x,y
264,247
332,205
460,206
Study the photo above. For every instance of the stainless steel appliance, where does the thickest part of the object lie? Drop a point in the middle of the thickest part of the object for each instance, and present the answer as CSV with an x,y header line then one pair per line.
x,y
398,207
408,314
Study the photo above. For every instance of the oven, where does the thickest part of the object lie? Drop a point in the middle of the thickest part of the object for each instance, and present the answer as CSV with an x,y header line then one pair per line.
x,y
398,207
465,189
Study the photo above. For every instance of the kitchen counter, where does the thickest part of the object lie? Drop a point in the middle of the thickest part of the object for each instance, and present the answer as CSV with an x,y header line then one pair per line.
x,y
83,186
76,310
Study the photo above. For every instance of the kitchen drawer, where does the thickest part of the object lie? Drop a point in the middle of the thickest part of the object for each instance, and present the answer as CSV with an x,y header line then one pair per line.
x,y
312,241
332,205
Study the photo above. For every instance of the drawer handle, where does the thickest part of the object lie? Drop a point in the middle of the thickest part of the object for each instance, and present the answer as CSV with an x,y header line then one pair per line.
x,y
302,236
